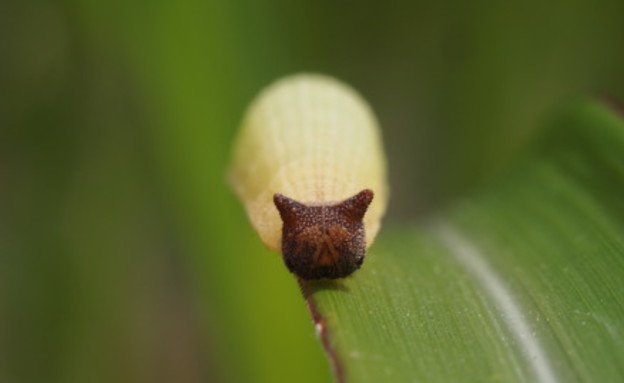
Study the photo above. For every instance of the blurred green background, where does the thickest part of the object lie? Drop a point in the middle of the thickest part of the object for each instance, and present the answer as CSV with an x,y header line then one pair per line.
x,y
123,254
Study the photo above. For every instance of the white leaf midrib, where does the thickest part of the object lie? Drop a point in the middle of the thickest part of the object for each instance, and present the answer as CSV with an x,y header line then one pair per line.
x,y
474,261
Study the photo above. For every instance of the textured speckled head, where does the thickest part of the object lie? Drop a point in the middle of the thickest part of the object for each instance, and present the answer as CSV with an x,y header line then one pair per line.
x,y
323,241
307,142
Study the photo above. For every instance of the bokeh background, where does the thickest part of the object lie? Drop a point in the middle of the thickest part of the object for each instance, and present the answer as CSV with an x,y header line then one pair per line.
x,y
123,254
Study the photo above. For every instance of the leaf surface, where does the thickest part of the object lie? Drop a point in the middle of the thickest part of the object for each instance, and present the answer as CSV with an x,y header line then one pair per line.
x,y
522,281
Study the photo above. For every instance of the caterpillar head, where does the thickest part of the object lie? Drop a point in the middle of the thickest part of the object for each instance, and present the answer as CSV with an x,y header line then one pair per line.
x,y
323,241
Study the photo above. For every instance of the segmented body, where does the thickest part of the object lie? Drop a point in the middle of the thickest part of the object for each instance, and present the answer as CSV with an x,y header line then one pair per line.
x,y
312,139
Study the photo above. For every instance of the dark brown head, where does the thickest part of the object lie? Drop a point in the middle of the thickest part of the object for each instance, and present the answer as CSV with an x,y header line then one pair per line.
x,y
324,241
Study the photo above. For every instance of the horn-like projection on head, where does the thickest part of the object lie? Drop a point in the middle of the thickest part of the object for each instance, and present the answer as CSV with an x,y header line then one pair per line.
x,y
323,241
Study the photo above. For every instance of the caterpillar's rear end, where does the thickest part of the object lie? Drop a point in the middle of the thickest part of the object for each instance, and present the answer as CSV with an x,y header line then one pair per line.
x,y
309,167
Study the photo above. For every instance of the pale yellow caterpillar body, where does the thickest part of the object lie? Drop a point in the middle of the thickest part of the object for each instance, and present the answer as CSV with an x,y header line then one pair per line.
x,y
306,164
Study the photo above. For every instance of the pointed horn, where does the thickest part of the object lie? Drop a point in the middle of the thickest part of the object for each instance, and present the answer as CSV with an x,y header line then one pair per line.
x,y
355,207
288,208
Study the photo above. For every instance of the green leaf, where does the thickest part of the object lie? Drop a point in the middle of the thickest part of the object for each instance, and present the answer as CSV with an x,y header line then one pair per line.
x,y
522,281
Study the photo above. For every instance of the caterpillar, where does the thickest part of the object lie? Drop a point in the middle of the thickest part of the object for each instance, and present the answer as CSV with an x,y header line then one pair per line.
x,y
309,166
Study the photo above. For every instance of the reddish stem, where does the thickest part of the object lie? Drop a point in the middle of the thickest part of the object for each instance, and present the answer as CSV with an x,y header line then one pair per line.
x,y
320,325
